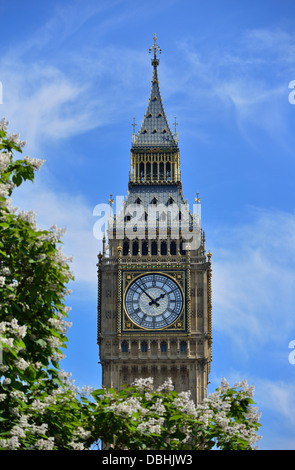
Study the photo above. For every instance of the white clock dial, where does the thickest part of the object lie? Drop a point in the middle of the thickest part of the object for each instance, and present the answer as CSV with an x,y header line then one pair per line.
x,y
153,301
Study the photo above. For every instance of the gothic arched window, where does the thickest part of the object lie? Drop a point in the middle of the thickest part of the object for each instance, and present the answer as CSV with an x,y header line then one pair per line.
x,y
124,346
125,248
182,249
155,171
144,347
164,248
141,171
144,248
168,171
148,171
135,248
161,171
173,248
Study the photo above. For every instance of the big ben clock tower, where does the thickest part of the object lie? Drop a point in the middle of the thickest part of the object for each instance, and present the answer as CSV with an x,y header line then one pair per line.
x,y
154,274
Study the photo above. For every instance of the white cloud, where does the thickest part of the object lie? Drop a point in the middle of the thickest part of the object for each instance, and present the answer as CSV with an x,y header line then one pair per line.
x,y
254,279
70,212
246,80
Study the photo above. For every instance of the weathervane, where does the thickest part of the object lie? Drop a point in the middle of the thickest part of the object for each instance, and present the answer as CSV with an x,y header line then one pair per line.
x,y
155,47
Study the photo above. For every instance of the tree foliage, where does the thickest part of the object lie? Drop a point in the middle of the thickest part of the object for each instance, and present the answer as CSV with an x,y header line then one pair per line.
x,y
40,408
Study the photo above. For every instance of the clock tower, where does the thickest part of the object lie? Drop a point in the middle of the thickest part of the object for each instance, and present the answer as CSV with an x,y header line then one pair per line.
x,y
154,274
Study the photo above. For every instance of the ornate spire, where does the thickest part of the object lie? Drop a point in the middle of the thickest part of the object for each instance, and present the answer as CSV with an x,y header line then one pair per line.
x,y
154,131
155,47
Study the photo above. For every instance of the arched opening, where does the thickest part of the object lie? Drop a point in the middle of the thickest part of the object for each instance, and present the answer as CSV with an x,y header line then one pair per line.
x,y
148,171
154,248
173,248
144,248
163,248
155,171
161,170
141,171
125,248
182,250
135,248
168,171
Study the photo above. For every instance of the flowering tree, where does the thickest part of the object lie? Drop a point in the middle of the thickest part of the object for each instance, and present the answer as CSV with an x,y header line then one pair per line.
x,y
40,408
140,417
33,276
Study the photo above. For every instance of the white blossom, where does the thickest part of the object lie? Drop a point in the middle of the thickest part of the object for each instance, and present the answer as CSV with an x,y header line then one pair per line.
x,y
144,384
166,386
45,444
35,162
3,124
54,342
4,160
152,425
14,139
7,341
28,216
81,433
128,406
77,445
22,364
5,271
10,444
17,431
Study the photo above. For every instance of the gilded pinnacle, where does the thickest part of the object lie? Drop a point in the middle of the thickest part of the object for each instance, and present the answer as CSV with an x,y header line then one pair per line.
x,y
155,47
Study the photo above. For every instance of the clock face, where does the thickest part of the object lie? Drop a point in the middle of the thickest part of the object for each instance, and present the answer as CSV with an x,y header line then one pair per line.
x,y
153,301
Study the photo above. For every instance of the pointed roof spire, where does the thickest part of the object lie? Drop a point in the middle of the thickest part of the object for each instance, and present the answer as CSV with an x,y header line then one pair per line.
x,y
154,131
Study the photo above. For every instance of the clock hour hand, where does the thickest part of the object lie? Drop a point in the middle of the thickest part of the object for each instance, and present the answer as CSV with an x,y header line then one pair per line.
x,y
158,298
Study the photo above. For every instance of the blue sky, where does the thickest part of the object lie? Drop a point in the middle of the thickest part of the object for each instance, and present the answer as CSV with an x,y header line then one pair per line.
x,y
75,73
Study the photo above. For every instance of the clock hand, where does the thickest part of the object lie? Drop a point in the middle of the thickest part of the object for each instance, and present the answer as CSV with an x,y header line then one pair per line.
x,y
153,301
158,298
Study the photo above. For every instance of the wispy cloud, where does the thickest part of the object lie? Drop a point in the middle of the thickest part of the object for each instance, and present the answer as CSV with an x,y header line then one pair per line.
x,y
254,280
72,213
246,79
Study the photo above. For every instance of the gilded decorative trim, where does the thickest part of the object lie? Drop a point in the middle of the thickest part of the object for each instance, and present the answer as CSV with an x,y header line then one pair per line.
x,y
99,264
180,325
209,299
119,291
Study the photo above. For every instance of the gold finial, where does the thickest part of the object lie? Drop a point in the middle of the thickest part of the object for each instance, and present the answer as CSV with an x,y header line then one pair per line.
x,y
111,200
197,199
155,47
